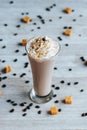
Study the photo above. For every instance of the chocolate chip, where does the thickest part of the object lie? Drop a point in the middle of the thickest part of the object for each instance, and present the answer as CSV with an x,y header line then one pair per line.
x,y
3,47
27,13
55,68
37,106
83,114
14,74
47,9
14,104
34,24
59,110
9,100
39,112
68,83
15,34
81,90
17,51
5,25
70,27
15,60
22,13
12,110
27,81
39,16
24,54
3,86
65,27
82,58
18,26
21,104
74,20
11,2
57,88
1,40
54,95
31,104
5,77
23,74
70,69
56,101
59,38
24,114
60,17
66,44
24,110
3,61
75,83
53,85
38,27
62,82
50,20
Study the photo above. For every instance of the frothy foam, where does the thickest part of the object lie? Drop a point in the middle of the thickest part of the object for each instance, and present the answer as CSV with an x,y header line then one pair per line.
x,y
43,47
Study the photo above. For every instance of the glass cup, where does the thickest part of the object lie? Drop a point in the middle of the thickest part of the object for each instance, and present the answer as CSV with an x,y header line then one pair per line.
x,y
42,77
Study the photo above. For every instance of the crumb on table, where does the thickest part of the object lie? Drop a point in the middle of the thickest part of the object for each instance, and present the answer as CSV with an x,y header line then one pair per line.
x,y
26,19
24,42
53,110
7,69
68,10
68,32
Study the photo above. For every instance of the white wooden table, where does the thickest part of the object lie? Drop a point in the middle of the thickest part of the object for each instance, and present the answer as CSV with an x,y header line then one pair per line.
x,y
70,68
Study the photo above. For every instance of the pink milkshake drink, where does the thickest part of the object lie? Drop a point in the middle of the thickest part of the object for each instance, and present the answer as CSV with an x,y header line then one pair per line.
x,y
42,52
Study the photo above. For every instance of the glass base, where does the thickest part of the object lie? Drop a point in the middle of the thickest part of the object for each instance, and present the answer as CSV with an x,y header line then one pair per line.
x,y
39,99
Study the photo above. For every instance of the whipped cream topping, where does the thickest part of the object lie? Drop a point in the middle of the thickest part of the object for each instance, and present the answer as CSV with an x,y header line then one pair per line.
x,y
43,47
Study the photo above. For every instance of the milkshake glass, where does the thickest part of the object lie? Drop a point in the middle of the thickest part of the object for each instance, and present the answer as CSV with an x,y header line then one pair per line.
x,y
42,52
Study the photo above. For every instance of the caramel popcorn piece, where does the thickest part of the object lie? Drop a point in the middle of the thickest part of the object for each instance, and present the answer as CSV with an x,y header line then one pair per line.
x,y
54,110
68,100
24,42
0,93
68,10
26,19
68,32
7,69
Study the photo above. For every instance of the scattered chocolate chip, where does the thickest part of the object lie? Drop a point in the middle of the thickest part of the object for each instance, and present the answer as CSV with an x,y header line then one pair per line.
x,y
31,104
47,9
22,13
59,110
65,27
66,44
56,101
9,100
24,54
73,10
32,30
62,82
54,95
50,20
60,17
23,74
3,86
28,107
27,81
70,27
24,114
3,47
55,68
24,110
12,110
15,60
21,104
18,26
15,34
17,51
34,24
14,104
5,77
80,35
82,58
83,114
37,106
57,88
38,27
39,16
42,21
54,4
68,83
53,85
27,13
81,90
39,112
75,83
11,2
59,38
80,15
14,74
1,40
70,69
86,114
74,20
5,25
3,61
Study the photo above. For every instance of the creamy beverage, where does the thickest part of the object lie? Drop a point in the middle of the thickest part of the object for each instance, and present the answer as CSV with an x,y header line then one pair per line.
x,y
42,52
